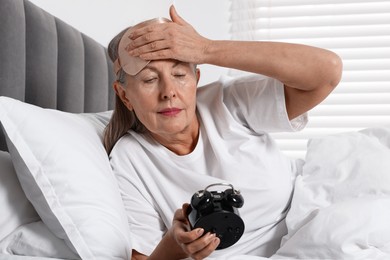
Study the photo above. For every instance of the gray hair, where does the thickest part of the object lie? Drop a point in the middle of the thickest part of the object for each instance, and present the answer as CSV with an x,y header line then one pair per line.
x,y
122,119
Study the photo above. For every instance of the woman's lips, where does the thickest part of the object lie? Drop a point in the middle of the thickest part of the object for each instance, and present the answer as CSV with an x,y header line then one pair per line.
x,y
170,111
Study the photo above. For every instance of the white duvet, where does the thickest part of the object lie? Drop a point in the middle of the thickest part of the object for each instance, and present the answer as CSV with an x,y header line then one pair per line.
x,y
340,207
341,202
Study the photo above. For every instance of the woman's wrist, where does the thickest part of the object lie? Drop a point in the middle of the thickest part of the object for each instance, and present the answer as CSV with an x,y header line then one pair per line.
x,y
168,249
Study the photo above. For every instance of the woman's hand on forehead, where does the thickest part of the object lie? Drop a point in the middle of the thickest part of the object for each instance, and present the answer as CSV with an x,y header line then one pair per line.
x,y
172,40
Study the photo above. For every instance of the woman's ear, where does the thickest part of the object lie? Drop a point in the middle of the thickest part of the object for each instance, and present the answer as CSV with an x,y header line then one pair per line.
x,y
197,72
121,92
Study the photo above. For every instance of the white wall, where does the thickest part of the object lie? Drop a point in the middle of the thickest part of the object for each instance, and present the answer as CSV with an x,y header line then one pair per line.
x,y
103,19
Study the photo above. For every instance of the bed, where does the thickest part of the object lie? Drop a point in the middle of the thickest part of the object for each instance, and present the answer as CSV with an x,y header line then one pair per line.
x,y
59,199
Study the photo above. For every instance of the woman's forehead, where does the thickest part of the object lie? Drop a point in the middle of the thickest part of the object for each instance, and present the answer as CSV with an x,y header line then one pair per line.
x,y
160,65
168,63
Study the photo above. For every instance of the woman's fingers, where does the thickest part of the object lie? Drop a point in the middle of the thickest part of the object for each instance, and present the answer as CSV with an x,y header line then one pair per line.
x,y
201,247
175,17
148,48
194,243
147,34
151,42
207,250
186,237
173,40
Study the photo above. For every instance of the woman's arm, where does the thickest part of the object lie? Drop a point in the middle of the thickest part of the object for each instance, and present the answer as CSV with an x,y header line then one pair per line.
x,y
308,73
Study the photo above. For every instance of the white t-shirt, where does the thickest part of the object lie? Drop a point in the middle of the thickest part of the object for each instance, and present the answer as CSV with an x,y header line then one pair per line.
x,y
233,147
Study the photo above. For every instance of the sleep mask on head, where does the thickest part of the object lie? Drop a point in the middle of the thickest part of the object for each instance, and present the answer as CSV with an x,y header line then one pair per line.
x,y
130,64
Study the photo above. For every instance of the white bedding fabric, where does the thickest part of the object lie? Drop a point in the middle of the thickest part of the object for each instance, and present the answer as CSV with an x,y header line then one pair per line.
x,y
35,239
15,209
63,168
340,208
341,203
21,257
21,230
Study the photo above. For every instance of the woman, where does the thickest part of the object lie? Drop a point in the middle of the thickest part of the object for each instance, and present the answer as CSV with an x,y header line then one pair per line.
x,y
168,138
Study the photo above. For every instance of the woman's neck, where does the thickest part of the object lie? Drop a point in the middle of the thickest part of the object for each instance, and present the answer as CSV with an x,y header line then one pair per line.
x,y
181,143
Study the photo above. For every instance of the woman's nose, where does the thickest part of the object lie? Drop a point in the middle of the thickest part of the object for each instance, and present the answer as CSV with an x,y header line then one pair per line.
x,y
169,95
167,90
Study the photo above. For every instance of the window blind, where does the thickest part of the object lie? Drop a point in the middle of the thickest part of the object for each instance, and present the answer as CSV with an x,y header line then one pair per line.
x,y
358,31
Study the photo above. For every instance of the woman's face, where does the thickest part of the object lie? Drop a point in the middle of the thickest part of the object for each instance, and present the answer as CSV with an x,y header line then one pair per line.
x,y
163,96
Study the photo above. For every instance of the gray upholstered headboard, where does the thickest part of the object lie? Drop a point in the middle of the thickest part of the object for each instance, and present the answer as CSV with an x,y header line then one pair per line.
x,y
46,62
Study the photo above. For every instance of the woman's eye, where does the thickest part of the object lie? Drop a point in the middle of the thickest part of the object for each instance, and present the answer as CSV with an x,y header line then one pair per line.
x,y
150,80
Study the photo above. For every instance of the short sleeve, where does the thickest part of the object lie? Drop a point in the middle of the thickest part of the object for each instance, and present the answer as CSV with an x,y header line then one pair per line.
x,y
258,102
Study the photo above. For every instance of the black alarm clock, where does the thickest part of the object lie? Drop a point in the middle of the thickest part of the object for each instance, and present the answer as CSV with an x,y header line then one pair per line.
x,y
217,212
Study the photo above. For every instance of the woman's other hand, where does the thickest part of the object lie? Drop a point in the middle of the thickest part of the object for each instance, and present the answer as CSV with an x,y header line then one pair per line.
x,y
182,242
173,40
193,242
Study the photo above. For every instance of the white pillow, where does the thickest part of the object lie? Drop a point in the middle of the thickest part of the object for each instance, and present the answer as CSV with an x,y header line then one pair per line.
x,y
65,173
16,210
35,239
341,202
